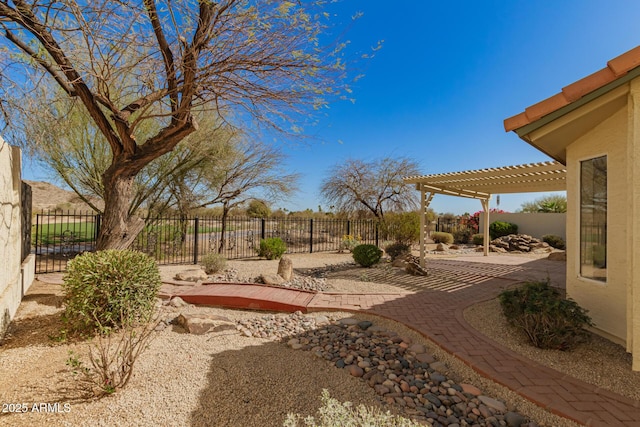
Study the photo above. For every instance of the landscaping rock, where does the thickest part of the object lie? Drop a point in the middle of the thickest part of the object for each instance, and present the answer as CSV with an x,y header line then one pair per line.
x,y
413,267
401,373
493,403
271,279
285,268
518,243
193,275
200,324
177,302
513,419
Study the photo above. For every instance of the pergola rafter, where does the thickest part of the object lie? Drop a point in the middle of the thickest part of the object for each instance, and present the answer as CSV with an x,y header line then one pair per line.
x,y
482,183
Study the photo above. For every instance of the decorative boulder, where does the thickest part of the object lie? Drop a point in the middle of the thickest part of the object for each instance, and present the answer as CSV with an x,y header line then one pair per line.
x,y
271,279
193,275
200,324
285,268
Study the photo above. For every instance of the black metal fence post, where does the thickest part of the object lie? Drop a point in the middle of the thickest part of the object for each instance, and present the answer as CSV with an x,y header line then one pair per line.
x,y
98,221
262,228
348,227
377,238
196,223
310,235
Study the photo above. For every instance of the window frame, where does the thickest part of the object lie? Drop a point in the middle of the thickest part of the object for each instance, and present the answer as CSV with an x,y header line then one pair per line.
x,y
592,278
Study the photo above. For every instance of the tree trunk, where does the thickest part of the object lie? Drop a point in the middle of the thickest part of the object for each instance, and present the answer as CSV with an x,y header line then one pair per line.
x,y
118,229
223,228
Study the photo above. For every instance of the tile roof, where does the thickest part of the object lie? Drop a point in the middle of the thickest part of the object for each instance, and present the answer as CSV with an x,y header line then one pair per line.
x,y
616,68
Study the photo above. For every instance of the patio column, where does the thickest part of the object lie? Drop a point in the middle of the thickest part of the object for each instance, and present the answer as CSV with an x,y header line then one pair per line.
x,y
485,228
425,199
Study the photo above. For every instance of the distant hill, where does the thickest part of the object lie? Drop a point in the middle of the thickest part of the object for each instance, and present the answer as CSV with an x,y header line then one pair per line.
x,y
47,196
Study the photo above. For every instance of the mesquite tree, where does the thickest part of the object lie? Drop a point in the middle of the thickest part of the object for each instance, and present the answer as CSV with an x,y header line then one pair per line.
x,y
252,60
375,186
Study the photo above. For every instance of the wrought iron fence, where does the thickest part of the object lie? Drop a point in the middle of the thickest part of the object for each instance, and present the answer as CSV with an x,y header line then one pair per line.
x,y
58,237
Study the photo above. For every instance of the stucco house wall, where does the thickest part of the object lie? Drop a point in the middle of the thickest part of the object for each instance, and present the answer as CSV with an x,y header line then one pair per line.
x,y
594,116
606,301
16,274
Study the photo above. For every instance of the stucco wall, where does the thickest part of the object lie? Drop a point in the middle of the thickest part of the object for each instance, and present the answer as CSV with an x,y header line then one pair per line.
x,y
606,301
533,224
15,276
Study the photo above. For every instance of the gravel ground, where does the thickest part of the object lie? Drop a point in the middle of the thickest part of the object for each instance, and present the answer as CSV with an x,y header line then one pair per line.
x,y
218,379
598,361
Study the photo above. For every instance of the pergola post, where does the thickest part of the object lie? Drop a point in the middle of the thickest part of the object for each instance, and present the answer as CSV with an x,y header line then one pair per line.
x,y
425,199
485,228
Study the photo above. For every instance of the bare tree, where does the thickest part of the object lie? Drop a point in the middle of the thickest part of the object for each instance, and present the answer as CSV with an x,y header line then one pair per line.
x,y
68,144
243,58
375,187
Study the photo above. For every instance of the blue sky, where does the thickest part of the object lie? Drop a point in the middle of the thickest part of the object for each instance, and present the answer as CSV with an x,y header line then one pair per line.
x,y
447,76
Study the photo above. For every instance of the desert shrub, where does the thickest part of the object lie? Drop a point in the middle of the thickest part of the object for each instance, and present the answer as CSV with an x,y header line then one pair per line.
x,y
109,289
548,320
502,228
213,262
349,242
367,255
272,248
403,227
332,413
397,249
478,239
554,241
440,237
462,235
112,357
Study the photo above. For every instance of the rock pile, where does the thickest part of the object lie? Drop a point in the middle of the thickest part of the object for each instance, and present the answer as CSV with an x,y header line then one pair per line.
x,y
519,243
401,373
304,282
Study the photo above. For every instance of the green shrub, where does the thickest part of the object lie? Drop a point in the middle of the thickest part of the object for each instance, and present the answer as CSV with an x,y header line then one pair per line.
x,y
367,255
403,227
349,242
109,289
502,228
478,239
462,236
336,414
554,241
272,248
548,320
397,249
213,262
440,237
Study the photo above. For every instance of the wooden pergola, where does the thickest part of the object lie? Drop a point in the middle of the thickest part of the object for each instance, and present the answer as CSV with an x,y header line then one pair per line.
x,y
482,183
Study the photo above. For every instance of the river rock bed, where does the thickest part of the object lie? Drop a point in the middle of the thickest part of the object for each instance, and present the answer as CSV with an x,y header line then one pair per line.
x,y
402,373
307,282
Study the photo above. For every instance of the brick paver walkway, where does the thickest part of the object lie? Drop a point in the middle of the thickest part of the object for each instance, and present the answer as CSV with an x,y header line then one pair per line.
x,y
436,311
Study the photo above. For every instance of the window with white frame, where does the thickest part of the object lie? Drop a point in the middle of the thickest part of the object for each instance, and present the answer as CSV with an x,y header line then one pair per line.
x,y
593,218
